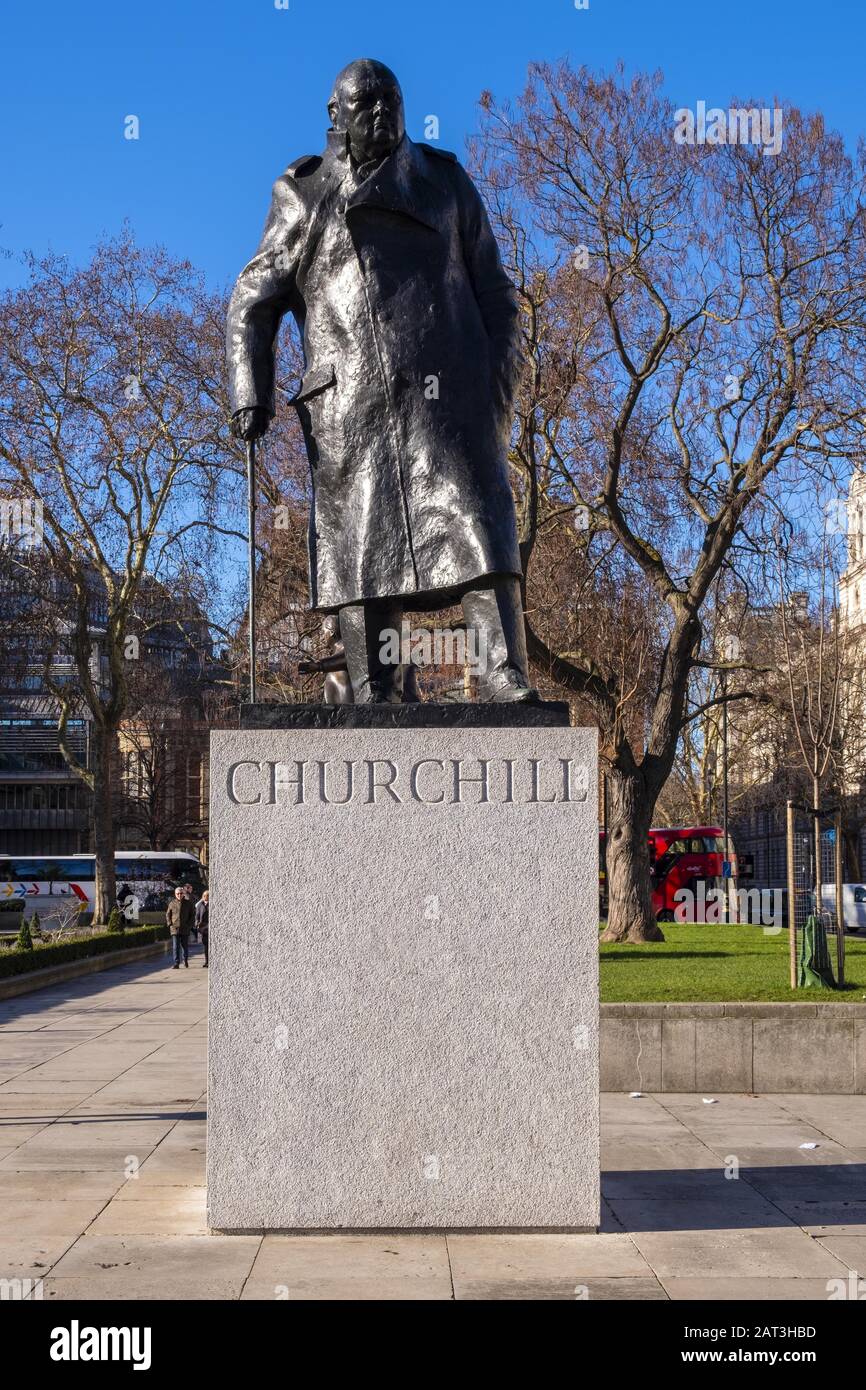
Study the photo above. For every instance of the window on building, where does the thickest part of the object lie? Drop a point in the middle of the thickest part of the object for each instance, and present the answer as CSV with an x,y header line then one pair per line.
x,y
193,786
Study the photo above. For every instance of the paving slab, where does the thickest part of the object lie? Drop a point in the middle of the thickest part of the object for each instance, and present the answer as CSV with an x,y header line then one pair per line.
x,y
135,1191
740,1208
646,1155
609,1223
791,1157
94,1158
40,1221
169,1212
36,1087
747,1290
180,1264
769,1252
36,1230
31,1257
734,1135
851,1250
69,1133
29,1049
539,1258
826,1218
97,1108
562,1289
16,1132
807,1182
732,1105
153,1095
351,1266
664,1130
61,1187
336,1291
839,1118
645,1109
167,1176
152,1288
22,1109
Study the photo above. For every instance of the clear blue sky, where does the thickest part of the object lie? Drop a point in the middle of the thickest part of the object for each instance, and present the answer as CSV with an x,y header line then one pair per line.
x,y
229,91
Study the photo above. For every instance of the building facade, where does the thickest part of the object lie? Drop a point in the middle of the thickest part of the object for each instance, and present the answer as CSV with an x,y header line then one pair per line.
x,y
159,785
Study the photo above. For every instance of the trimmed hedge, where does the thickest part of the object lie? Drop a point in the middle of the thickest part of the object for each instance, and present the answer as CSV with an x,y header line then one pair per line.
x,y
14,962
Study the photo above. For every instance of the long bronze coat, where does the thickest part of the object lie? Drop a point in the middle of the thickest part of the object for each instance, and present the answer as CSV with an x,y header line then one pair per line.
x,y
411,342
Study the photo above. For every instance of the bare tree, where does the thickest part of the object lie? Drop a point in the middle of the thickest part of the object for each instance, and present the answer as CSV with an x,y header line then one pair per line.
x,y
113,416
694,331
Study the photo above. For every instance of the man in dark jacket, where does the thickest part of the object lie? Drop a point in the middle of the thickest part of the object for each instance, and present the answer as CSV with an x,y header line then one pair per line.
x,y
201,921
179,917
383,252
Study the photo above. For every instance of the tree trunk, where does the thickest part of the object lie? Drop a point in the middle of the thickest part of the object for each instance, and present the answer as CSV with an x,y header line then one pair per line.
x,y
629,889
105,892
816,806
851,843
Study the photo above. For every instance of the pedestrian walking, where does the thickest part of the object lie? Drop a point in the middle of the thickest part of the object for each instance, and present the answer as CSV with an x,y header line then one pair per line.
x,y
201,921
188,894
179,917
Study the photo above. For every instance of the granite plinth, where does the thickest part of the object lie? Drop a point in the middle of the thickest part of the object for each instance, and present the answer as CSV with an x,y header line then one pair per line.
x,y
403,979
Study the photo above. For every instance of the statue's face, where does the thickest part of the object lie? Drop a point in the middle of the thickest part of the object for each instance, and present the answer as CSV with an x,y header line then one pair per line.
x,y
370,110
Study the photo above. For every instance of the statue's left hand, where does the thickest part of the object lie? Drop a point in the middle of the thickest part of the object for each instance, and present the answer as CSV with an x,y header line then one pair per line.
x,y
251,424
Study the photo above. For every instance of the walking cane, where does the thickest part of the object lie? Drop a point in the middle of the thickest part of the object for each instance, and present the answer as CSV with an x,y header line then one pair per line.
x,y
251,608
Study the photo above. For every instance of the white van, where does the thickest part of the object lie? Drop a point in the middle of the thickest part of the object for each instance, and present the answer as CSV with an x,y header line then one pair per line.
x,y
853,904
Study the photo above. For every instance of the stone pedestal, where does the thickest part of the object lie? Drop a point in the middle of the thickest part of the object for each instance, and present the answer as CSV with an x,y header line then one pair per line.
x,y
403,979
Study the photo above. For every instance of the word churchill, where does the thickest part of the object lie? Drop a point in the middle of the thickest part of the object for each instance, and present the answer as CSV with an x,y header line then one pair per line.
x,y
430,781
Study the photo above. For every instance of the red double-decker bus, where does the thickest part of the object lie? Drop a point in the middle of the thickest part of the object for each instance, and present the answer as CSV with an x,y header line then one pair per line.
x,y
681,856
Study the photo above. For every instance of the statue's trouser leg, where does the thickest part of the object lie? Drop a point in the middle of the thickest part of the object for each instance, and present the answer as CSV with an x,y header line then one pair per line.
x,y
494,621
361,628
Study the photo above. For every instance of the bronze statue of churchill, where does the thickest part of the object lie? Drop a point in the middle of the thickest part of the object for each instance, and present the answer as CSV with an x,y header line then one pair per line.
x,y
381,249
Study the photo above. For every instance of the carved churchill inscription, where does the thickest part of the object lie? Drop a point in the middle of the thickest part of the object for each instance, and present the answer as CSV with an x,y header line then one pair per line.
x,y
430,781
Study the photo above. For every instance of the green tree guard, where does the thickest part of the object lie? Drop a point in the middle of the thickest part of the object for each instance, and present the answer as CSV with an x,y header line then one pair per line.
x,y
814,970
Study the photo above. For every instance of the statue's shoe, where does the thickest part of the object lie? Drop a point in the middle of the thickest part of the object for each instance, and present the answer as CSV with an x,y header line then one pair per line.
x,y
508,687
378,695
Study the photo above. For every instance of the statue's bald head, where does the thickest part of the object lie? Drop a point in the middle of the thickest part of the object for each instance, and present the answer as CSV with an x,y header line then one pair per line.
x,y
367,104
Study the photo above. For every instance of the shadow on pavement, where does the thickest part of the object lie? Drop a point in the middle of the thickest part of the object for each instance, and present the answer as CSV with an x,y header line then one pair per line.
x,y
805,1194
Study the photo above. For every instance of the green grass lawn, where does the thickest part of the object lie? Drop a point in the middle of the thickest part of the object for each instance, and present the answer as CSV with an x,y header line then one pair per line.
x,y
717,964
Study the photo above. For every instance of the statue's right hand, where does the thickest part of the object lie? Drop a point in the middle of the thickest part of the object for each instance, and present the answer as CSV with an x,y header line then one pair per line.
x,y
251,424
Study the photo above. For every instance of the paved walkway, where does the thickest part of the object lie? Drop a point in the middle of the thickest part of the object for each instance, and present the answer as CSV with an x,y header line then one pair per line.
x,y
105,1077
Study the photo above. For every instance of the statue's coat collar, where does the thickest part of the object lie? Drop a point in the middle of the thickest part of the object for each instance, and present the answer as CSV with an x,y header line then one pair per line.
x,y
400,184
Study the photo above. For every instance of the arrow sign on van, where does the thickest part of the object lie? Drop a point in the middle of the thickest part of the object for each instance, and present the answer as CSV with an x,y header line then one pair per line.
x,y
34,891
